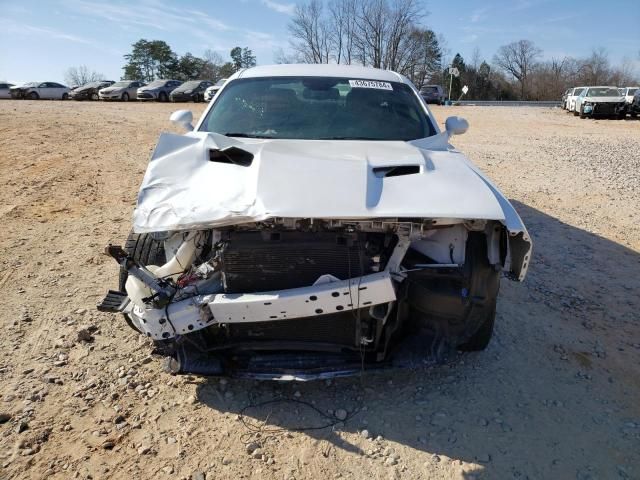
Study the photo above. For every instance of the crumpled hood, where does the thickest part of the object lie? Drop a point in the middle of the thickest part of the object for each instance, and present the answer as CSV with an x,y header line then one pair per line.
x,y
183,189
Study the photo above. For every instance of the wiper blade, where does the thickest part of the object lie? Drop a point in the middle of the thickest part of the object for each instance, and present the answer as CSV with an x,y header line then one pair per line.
x,y
245,135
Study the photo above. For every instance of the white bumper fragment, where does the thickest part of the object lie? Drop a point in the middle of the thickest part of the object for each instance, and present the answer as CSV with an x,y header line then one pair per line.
x,y
332,297
321,299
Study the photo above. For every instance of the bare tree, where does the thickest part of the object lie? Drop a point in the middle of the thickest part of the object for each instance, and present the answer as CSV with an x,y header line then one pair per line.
x,y
377,33
310,32
404,15
342,27
211,68
596,69
518,59
371,22
81,75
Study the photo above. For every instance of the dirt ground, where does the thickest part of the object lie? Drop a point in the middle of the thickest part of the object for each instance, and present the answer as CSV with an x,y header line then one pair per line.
x,y
554,396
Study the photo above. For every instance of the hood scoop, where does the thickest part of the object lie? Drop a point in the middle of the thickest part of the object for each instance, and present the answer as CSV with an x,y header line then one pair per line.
x,y
396,170
233,155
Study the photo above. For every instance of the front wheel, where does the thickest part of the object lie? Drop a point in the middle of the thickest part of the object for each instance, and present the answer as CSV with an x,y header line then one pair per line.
x,y
480,340
582,115
145,250
65,96
125,97
163,97
34,96
94,96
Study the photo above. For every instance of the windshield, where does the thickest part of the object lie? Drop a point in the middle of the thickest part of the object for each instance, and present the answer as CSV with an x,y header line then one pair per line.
x,y
631,91
220,82
318,108
31,84
121,84
93,84
429,89
603,92
157,83
189,85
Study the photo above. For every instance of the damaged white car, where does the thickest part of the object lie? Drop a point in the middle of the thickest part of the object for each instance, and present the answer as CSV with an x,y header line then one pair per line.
x,y
315,222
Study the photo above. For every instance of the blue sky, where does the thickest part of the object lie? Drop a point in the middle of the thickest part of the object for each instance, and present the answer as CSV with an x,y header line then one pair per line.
x,y
41,39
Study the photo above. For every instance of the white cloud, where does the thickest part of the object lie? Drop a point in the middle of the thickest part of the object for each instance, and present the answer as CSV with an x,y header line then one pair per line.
x,y
479,14
18,28
286,8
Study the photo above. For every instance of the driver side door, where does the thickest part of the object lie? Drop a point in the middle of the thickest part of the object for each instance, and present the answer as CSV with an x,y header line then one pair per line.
x,y
43,90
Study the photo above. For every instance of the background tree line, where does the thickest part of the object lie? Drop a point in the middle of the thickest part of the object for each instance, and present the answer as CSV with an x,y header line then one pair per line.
x,y
150,60
390,34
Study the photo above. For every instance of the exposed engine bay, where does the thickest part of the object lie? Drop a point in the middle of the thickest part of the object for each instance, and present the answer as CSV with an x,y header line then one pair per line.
x,y
300,295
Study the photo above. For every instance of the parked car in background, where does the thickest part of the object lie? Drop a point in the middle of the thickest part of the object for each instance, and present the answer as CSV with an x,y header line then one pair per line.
x,y
563,100
634,107
600,101
191,91
36,90
158,90
433,94
5,91
571,98
123,90
90,90
313,223
210,92
628,93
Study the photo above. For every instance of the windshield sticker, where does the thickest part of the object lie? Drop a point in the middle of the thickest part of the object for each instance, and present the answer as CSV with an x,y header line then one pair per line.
x,y
370,84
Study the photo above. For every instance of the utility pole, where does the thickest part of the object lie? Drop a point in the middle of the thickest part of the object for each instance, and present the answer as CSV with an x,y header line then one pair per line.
x,y
453,71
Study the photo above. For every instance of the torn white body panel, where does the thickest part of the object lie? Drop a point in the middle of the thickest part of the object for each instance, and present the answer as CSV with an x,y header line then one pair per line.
x,y
191,314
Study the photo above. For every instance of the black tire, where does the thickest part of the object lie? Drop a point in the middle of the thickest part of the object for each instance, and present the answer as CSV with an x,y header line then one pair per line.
x,y
144,249
34,96
466,325
480,340
163,97
576,113
484,286
94,96
65,96
125,97
582,115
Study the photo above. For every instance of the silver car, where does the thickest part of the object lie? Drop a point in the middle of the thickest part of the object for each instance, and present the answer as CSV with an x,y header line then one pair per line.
x,y
37,90
158,90
124,91
4,90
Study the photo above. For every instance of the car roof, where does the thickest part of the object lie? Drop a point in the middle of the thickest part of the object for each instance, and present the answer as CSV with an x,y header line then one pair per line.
x,y
321,70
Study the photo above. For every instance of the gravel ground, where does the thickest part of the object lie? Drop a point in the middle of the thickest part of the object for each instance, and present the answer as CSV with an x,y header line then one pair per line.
x,y
554,396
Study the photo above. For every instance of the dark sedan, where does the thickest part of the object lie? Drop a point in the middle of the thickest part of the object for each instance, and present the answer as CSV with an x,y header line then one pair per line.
x,y
191,91
634,106
90,90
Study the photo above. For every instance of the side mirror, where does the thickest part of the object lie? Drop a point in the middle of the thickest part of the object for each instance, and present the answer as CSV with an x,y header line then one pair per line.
x,y
182,118
456,125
